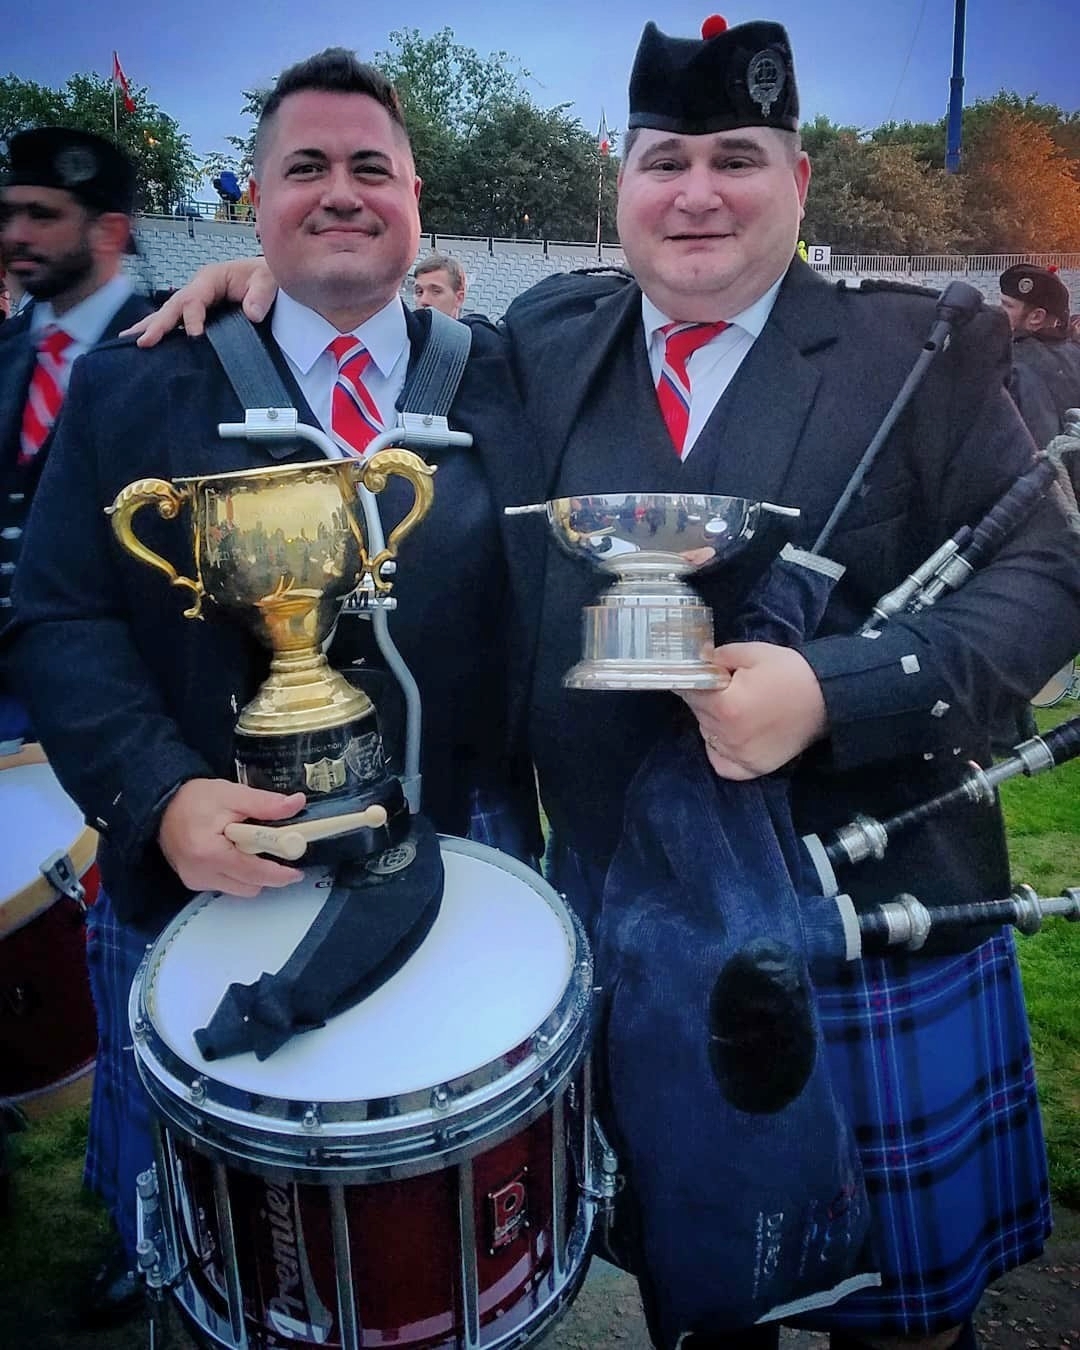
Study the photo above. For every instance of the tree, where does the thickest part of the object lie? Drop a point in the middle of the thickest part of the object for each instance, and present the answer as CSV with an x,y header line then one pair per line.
x,y
867,197
492,160
1021,191
243,161
166,168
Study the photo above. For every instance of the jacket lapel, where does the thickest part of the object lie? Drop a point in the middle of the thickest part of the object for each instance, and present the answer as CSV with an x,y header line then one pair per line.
x,y
573,364
765,413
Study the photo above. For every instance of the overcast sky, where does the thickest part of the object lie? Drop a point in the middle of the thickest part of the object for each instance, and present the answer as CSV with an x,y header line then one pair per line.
x,y
858,61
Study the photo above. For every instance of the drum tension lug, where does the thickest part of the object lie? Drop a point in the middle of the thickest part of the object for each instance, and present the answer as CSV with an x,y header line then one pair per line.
x,y
59,872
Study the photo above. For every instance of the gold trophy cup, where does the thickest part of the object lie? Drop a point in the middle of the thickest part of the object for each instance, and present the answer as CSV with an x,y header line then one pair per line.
x,y
280,549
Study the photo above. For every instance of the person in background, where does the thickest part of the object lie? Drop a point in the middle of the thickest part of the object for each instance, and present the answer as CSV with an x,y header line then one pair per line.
x,y
439,284
1045,379
65,222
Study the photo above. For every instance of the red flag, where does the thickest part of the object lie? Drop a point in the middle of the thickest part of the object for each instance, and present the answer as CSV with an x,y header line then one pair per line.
x,y
603,140
120,79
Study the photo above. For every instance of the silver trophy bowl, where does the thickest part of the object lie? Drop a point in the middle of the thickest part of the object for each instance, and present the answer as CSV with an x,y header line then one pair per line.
x,y
649,629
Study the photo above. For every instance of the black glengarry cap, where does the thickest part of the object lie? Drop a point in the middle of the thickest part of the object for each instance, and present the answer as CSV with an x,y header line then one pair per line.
x,y
729,78
95,171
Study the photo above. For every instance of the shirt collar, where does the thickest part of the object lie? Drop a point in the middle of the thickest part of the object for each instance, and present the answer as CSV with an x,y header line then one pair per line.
x,y
303,335
86,321
752,319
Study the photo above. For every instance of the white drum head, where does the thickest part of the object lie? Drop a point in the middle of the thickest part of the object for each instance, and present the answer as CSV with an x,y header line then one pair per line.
x,y
493,967
39,819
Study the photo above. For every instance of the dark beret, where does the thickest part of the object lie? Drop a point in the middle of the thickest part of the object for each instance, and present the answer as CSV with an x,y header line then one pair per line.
x,y
91,168
1037,286
734,77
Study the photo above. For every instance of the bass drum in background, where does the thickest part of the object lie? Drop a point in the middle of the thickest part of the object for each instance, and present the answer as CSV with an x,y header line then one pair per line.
x,y
410,1174
48,1030
1055,688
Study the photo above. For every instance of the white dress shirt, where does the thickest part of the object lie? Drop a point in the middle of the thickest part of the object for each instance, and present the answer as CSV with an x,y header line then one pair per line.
x,y
84,323
303,335
712,367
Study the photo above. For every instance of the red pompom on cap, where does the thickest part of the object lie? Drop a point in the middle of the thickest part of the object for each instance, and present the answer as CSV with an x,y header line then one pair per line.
x,y
713,26
1052,267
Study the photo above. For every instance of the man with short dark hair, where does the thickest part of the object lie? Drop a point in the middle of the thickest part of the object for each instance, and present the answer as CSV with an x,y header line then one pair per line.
x,y
136,706
65,223
439,284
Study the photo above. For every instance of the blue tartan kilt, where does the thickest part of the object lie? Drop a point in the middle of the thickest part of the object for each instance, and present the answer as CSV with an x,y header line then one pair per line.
x,y
119,1145
932,1059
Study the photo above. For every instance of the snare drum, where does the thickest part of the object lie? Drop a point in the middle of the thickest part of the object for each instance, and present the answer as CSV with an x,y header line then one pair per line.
x,y
413,1173
48,1031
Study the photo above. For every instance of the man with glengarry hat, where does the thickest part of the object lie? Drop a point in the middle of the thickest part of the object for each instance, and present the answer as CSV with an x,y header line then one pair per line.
x,y
1045,378
65,222
783,381
725,365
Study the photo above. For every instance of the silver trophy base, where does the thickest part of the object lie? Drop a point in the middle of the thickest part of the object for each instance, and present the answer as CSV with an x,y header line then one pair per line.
x,y
646,635
639,675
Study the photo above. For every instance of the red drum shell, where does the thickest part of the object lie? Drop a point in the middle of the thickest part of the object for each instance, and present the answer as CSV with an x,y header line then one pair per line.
x,y
48,1029
440,1218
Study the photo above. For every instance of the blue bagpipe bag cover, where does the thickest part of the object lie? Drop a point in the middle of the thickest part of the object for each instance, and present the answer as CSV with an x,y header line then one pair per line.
x,y
744,1197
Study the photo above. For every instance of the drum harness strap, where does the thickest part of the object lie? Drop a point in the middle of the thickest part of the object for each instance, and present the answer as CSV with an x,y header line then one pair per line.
x,y
381,905
430,386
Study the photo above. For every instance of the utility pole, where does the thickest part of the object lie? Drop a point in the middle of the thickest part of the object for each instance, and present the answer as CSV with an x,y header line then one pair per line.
x,y
954,133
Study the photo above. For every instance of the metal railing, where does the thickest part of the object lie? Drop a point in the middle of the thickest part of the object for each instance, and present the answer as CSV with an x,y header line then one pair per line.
x,y
878,264
884,264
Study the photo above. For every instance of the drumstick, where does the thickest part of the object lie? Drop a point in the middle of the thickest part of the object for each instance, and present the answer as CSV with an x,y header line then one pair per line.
x,y
291,841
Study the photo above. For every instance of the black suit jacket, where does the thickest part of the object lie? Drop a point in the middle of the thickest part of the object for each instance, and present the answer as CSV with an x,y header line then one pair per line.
x,y
18,484
906,709
130,699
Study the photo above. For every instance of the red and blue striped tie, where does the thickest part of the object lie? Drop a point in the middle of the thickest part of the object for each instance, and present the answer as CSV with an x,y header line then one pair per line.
x,y
681,340
355,419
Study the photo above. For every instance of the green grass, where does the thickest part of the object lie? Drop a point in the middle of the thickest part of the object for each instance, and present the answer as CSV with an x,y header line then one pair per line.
x,y
1043,819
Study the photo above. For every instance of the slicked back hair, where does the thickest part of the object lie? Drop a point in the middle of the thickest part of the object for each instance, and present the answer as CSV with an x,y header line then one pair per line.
x,y
333,71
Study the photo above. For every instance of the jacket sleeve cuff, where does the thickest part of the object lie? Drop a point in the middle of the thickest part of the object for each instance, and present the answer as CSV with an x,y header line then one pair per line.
x,y
130,821
883,692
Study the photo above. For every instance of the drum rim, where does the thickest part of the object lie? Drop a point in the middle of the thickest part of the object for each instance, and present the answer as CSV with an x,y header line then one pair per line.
x,y
387,1133
24,905
1059,683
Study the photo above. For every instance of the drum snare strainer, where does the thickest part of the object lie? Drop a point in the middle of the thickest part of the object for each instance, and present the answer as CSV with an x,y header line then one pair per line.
x,y
417,1172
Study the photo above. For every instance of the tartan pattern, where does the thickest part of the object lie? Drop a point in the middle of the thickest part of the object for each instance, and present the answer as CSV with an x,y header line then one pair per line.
x,y
681,341
119,1145
45,395
932,1059
354,418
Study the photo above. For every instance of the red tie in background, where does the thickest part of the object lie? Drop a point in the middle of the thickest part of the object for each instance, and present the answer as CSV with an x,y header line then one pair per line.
x,y
681,340
45,395
354,418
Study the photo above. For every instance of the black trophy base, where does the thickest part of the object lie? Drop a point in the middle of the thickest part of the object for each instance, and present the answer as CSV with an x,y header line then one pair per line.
x,y
331,764
366,841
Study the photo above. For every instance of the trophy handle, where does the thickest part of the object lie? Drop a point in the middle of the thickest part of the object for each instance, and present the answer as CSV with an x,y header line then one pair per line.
x,y
374,474
168,500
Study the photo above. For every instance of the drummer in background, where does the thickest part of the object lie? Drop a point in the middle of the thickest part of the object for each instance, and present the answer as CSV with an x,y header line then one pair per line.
x,y
930,1055
136,705
65,222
